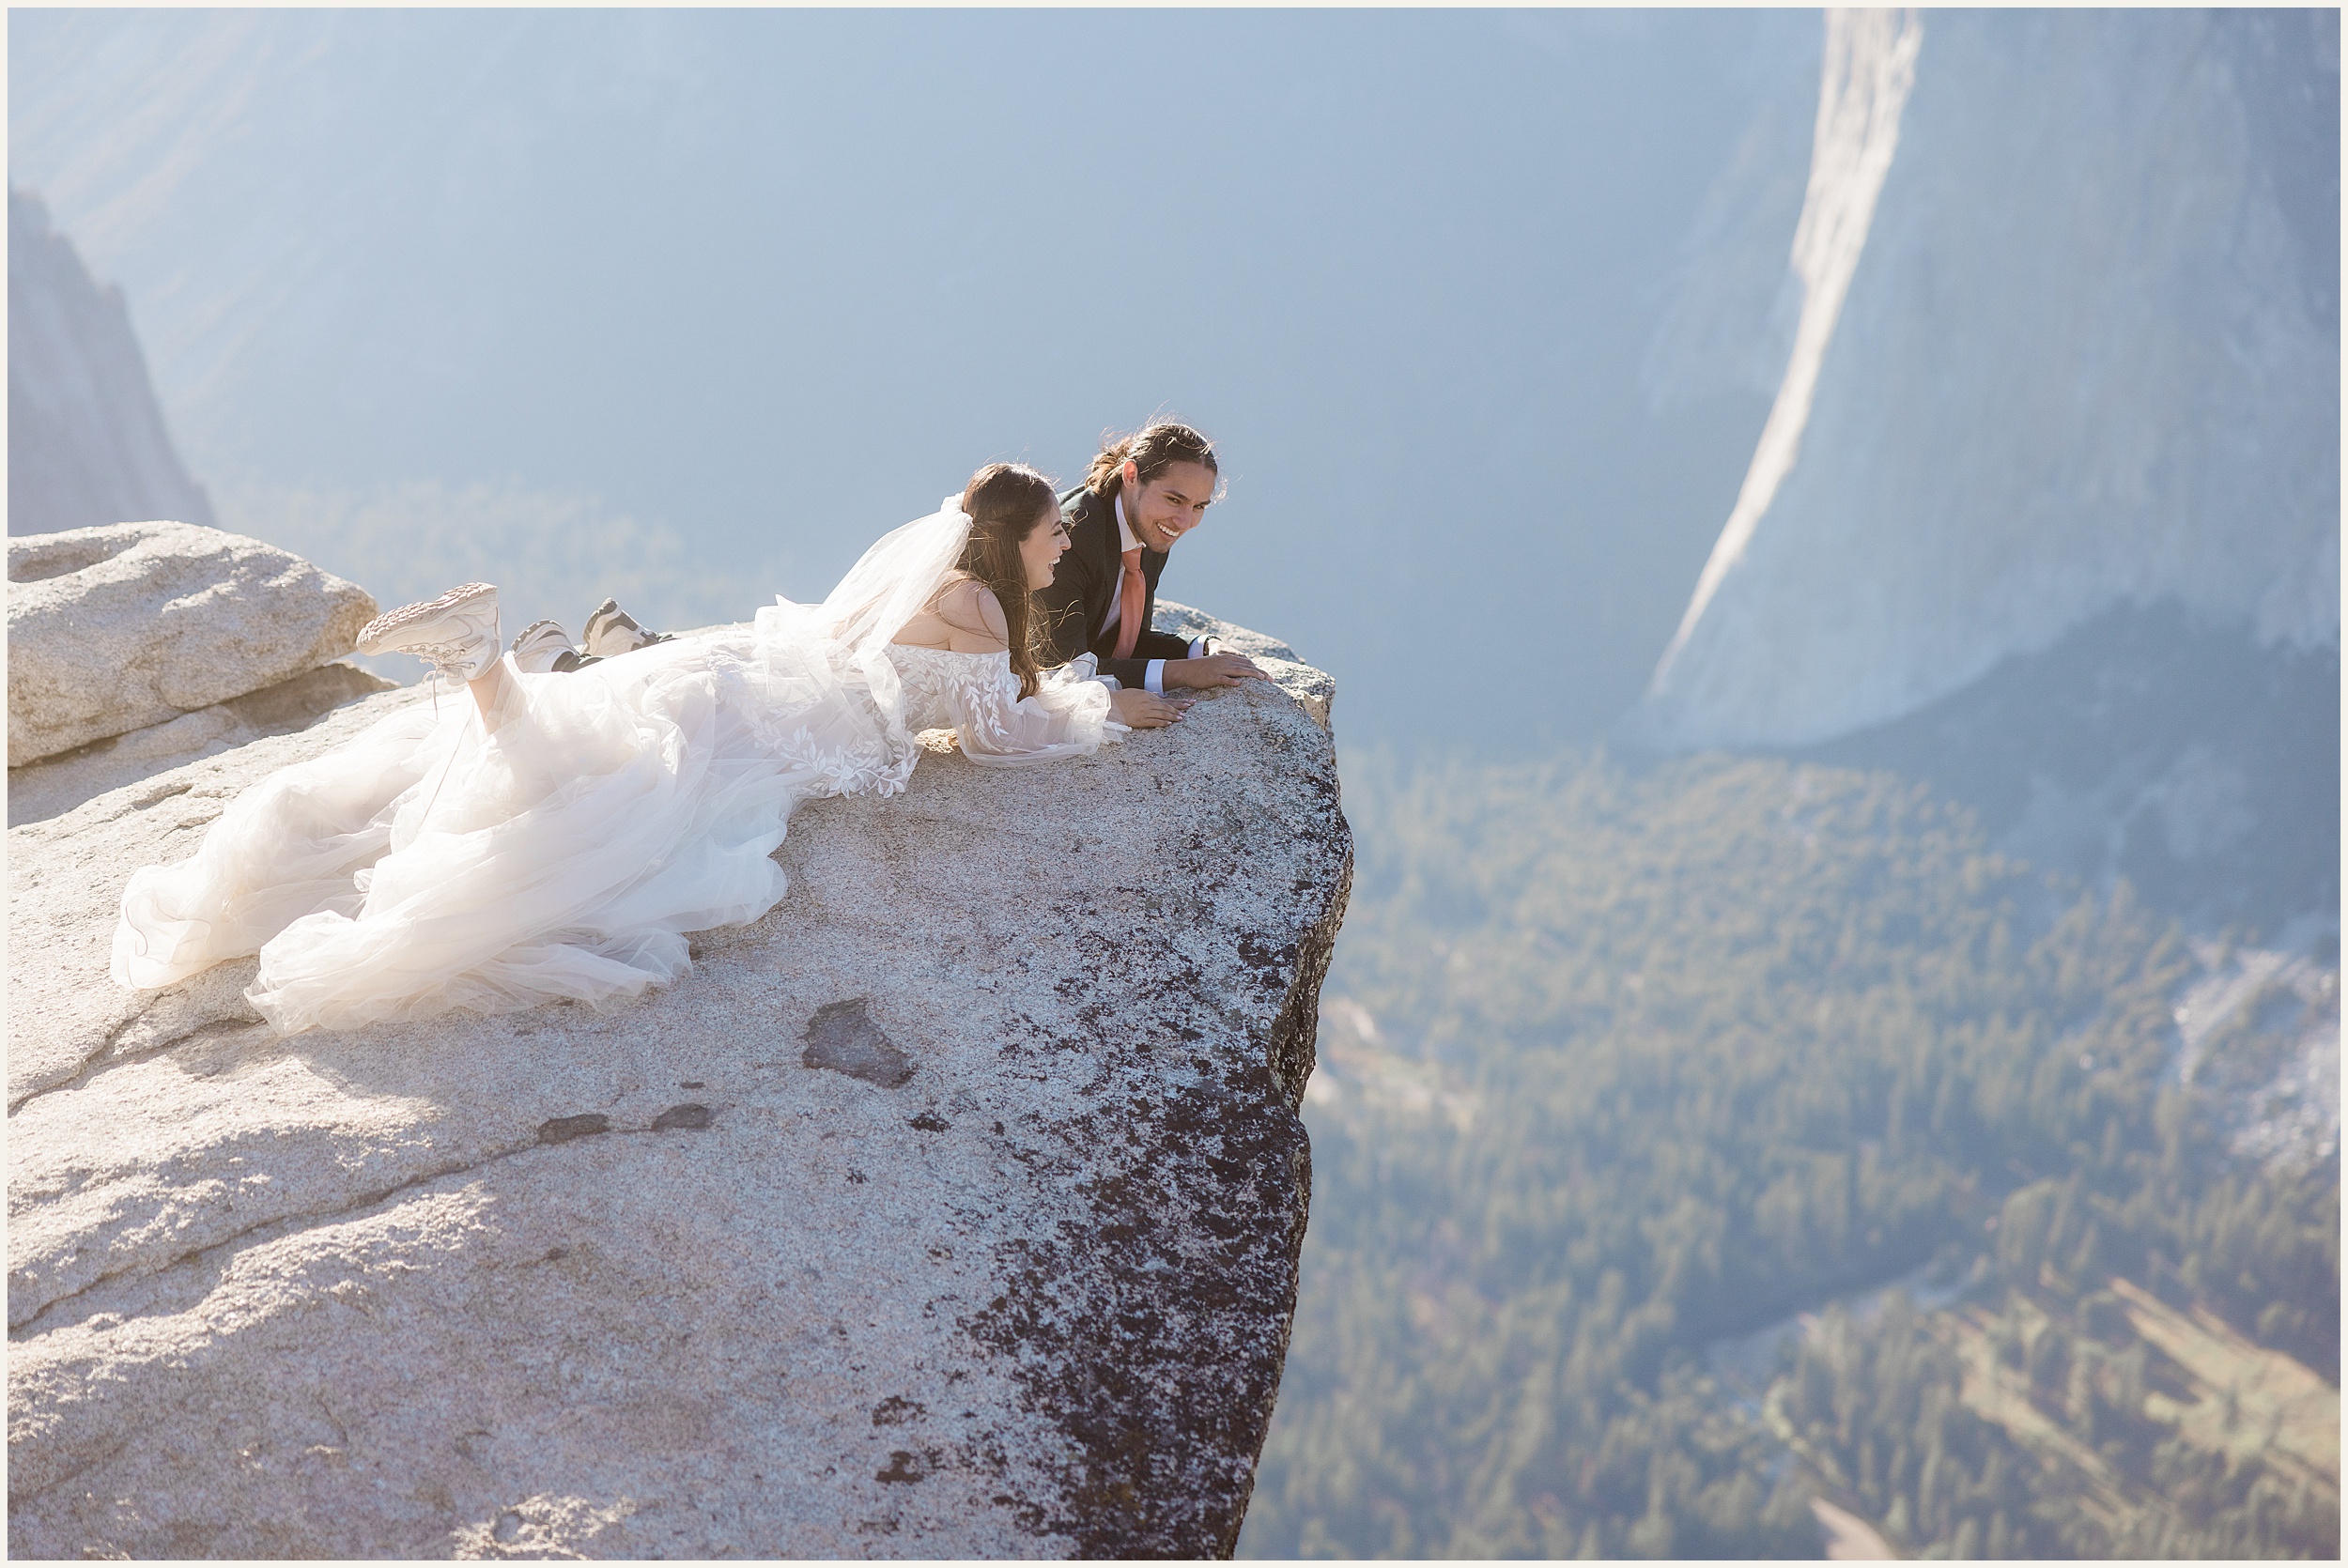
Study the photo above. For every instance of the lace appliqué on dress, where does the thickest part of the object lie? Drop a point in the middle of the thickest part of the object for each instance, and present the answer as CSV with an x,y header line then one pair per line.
x,y
843,771
976,696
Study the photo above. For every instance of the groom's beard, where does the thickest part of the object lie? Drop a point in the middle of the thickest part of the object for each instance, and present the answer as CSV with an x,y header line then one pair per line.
x,y
1152,533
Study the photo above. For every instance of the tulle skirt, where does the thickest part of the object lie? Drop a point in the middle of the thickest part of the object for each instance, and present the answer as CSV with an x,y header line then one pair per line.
x,y
563,850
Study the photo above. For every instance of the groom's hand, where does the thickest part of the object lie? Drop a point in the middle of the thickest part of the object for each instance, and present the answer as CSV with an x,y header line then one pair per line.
x,y
1215,670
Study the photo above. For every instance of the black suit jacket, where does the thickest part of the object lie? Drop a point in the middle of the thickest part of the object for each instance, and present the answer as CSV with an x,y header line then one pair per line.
x,y
1086,586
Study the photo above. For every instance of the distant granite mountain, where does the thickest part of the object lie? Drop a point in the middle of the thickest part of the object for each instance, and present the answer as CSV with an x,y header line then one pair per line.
x,y
86,441
2046,511
2068,340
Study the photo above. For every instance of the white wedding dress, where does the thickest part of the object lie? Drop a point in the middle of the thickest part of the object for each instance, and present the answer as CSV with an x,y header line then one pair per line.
x,y
436,862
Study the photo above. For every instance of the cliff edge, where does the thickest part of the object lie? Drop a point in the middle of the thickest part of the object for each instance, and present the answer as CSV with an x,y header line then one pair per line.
x,y
951,1210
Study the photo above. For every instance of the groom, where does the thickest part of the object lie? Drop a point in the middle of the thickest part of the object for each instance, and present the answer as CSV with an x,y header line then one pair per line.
x,y
1145,491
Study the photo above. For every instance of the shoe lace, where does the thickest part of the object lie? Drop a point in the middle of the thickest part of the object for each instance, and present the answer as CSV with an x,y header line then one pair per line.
x,y
446,658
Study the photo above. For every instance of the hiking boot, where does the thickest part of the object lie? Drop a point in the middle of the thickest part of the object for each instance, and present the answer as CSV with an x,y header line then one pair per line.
x,y
457,632
611,630
540,649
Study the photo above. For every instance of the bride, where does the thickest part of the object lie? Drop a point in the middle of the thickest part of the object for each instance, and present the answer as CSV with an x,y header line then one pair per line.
x,y
558,835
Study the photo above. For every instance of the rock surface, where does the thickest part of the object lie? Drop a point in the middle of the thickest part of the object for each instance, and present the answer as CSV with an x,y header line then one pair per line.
x,y
951,1210
86,441
117,628
53,786
2089,356
1312,688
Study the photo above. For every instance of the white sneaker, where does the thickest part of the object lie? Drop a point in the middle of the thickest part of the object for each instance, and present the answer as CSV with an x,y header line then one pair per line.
x,y
540,648
458,632
611,630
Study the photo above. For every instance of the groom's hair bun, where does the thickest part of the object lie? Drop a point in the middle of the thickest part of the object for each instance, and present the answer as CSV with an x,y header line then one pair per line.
x,y
1153,449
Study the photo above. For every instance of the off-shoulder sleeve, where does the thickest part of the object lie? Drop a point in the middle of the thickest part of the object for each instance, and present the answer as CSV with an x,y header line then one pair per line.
x,y
1068,716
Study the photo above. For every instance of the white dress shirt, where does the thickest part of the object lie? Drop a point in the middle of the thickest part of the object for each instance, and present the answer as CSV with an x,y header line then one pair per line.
x,y
1156,680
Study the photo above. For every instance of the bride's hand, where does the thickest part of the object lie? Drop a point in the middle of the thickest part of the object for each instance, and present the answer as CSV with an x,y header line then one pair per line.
x,y
1142,710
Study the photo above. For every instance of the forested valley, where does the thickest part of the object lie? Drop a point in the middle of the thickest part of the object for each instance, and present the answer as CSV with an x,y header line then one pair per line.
x,y
1620,1067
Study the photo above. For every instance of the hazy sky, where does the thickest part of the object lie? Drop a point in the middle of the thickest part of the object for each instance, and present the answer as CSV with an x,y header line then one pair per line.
x,y
777,280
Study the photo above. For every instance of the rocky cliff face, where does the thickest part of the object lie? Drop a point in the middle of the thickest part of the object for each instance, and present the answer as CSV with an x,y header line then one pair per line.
x,y
2068,341
951,1210
87,441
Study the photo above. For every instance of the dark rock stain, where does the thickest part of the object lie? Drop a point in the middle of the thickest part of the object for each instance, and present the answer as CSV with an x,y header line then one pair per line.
x,y
562,1130
905,1468
842,1037
693,1116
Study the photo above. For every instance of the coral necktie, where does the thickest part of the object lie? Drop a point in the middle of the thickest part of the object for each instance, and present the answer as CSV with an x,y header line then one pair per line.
x,y
1129,595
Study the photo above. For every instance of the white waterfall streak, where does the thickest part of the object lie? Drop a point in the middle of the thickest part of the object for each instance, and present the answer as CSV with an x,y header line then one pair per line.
x,y
1870,66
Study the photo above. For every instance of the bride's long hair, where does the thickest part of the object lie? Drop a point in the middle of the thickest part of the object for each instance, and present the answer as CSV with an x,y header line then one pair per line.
x,y
1006,502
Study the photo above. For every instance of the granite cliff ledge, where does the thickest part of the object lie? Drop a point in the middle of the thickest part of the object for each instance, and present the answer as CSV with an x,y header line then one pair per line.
x,y
951,1210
